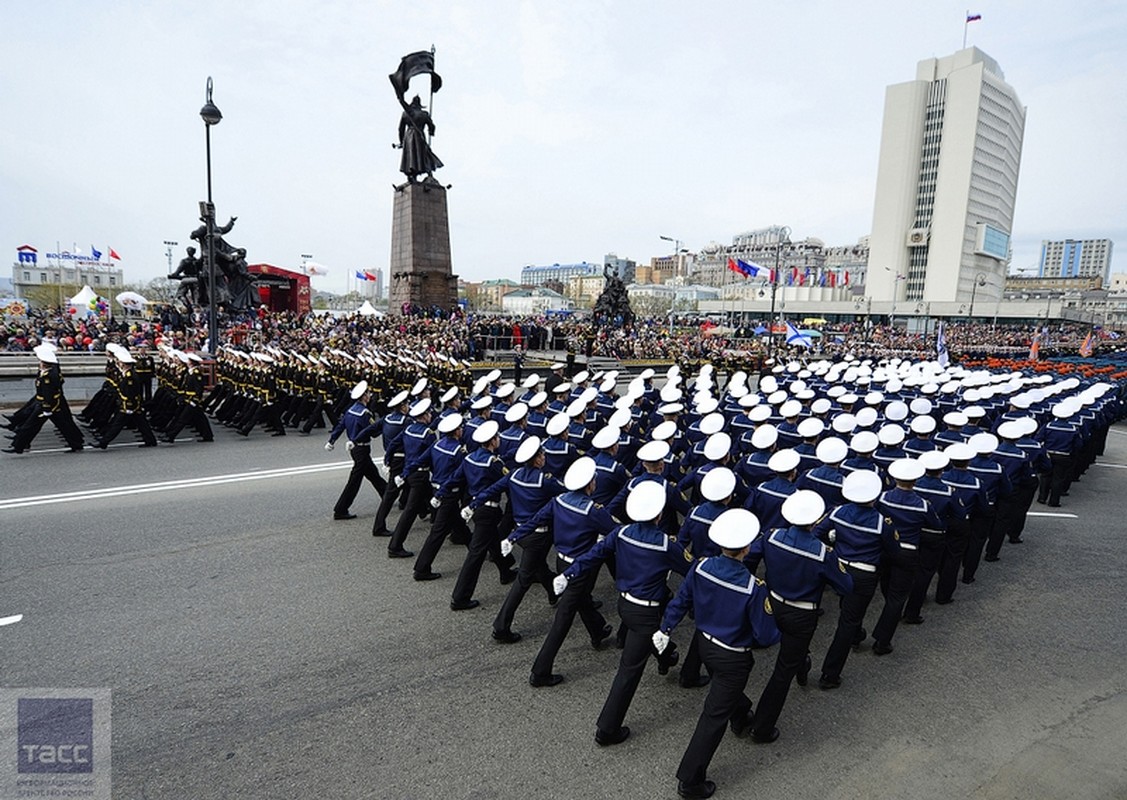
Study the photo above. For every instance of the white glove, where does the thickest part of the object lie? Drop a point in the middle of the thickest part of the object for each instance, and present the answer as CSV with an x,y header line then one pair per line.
x,y
399,480
467,513
600,537
435,502
661,641
350,445
832,535
328,445
506,547
559,584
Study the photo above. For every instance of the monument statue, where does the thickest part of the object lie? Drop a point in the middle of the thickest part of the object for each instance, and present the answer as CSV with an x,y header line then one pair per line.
x,y
234,284
188,273
613,305
414,127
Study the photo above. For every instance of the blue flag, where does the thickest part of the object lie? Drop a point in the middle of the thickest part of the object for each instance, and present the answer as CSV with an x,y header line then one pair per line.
x,y
941,356
749,268
96,253
797,337
361,276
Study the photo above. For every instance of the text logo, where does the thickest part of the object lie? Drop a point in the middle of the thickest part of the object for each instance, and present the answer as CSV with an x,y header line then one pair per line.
x,y
56,735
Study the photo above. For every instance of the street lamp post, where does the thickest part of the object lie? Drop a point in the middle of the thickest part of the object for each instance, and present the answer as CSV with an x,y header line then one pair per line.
x,y
676,269
979,280
168,245
784,238
210,115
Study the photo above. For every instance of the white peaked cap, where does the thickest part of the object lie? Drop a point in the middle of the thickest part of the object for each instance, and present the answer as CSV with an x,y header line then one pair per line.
x,y
735,529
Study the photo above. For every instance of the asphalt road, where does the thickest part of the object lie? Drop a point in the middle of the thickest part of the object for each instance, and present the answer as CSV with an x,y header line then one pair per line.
x,y
256,648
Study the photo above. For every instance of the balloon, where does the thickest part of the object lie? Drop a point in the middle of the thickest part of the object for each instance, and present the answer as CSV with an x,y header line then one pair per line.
x,y
68,341
87,341
72,310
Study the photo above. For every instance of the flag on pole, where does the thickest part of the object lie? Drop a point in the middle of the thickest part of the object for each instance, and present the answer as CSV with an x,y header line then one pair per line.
x,y
1088,345
941,356
750,268
973,17
1035,348
734,267
114,255
360,276
797,337
413,64
845,279
96,253
371,276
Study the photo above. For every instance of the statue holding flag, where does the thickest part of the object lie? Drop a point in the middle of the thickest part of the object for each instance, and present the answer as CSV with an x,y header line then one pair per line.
x,y
416,126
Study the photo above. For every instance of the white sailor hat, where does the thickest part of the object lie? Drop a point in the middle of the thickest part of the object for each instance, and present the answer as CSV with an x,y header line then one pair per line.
x,y
1028,425
1021,401
805,394
896,411
653,451
557,424
492,375
674,369
576,408
479,385
923,424
790,409
449,423
847,399
934,460
664,430
890,434
486,431
125,357
759,413
717,446
647,373
735,529
669,394
906,469
764,437
449,394
921,405
811,428
562,388
537,399
504,390
821,405
645,501
580,474
768,383
605,437
485,401
864,442
956,419
420,408
778,396
557,365
797,386
737,391
874,398
589,395
834,391
528,449
804,507
974,412
861,486
530,381
516,412
670,409
783,461
419,387
832,450
581,377
748,400
717,484
983,443
359,390
711,423
45,354
707,405
959,451
844,423
620,418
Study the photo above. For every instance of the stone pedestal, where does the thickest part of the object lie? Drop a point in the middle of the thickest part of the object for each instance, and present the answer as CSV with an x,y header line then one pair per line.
x,y
421,269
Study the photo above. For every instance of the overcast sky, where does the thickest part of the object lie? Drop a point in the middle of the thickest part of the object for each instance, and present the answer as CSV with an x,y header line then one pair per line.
x,y
569,130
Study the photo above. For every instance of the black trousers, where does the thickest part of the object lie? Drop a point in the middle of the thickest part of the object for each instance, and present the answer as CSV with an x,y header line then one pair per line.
x,y
1009,522
576,599
194,416
484,541
135,420
362,467
725,701
849,621
981,528
1059,479
932,547
533,569
390,494
797,625
954,550
641,623
900,570
447,520
418,500
33,423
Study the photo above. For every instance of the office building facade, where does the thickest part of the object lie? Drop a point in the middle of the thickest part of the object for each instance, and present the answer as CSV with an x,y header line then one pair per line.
x,y
1076,258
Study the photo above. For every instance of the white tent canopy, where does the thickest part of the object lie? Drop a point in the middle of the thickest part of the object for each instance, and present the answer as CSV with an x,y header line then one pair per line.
x,y
84,297
368,310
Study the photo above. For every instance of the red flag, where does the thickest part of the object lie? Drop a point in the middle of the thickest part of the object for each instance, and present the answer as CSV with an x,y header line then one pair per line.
x,y
113,254
1035,348
833,279
732,266
845,280
1087,346
369,276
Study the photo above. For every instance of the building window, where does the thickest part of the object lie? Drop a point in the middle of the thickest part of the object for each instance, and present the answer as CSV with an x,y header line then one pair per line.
x,y
97,280
111,280
42,277
27,277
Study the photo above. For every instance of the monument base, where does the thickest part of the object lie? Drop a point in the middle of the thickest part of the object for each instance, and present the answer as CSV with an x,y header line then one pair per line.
x,y
421,269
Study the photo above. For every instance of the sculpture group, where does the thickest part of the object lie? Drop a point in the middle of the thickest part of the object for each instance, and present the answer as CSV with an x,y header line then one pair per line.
x,y
234,284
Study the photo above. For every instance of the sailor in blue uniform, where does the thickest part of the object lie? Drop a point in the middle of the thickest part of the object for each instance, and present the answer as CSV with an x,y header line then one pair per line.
x,y
752,468
766,499
610,475
415,442
446,457
799,567
967,507
856,530
577,522
1062,439
559,452
826,479
733,614
717,488
360,426
394,422
933,543
996,483
478,471
1012,506
906,513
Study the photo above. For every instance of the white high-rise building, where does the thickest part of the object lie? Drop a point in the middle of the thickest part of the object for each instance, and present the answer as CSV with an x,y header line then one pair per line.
x,y
946,183
1076,258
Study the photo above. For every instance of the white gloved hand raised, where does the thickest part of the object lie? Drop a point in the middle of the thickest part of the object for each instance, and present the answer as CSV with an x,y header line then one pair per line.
x,y
349,446
467,513
559,584
328,445
435,502
506,547
399,480
661,641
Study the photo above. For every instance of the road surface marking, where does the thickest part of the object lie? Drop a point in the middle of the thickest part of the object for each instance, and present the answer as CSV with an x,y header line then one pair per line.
x,y
164,486
12,620
1050,514
1113,466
